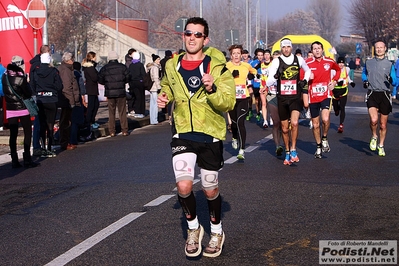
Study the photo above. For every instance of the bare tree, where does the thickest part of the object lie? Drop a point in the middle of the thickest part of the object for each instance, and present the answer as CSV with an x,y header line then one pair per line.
x,y
70,23
299,22
155,12
327,14
223,16
165,36
376,20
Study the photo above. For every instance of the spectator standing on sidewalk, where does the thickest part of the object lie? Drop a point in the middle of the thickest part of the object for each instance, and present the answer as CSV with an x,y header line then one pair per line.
x,y
34,64
47,85
15,82
395,88
352,67
155,69
91,76
78,118
70,98
128,57
136,106
168,55
114,77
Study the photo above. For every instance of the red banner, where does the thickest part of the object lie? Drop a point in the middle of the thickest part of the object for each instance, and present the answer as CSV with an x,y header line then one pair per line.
x,y
16,34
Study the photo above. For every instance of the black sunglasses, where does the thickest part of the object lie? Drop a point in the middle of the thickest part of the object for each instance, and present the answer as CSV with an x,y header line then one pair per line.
x,y
197,34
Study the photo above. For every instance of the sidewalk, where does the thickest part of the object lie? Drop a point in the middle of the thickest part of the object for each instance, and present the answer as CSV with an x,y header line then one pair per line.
x,y
102,131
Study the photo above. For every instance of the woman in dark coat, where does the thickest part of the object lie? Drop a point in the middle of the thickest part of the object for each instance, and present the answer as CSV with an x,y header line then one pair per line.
x,y
16,110
91,77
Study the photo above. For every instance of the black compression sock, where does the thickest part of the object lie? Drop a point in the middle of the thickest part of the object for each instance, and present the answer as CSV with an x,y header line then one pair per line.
x,y
189,206
215,209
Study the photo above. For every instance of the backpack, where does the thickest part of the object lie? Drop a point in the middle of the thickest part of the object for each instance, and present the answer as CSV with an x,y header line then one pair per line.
x,y
147,81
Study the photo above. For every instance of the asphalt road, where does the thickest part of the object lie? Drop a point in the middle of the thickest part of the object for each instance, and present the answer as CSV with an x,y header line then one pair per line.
x,y
95,205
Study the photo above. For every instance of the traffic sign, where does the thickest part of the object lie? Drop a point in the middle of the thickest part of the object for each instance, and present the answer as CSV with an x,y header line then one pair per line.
x,y
36,14
180,24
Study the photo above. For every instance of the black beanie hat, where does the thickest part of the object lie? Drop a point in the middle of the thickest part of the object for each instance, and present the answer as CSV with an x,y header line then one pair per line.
x,y
154,57
341,60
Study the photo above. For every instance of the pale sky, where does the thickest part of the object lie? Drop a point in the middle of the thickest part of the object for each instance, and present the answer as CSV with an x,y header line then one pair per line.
x,y
278,8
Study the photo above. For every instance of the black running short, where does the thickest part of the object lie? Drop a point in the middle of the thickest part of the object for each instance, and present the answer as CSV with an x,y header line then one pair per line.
x,y
209,155
316,107
286,105
380,100
256,92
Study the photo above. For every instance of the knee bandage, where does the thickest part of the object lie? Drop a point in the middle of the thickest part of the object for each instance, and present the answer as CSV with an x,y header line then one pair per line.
x,y
183,166
209,179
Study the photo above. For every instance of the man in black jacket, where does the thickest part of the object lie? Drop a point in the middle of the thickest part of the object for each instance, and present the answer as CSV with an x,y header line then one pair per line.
x,y
114,76
34,64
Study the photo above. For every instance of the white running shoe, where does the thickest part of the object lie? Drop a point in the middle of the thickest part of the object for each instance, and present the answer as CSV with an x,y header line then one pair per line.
x,y
234,144
325,147
241,155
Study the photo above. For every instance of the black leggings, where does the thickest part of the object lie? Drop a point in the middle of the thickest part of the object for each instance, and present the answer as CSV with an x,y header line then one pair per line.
x,y
92,108
27,126
339,104
47,113
237,116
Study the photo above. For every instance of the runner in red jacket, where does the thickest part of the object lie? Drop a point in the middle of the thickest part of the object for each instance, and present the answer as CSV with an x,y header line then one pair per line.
x,y
320,89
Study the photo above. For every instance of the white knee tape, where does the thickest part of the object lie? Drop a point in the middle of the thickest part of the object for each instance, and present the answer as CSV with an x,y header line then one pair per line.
x,y
183,166
209,179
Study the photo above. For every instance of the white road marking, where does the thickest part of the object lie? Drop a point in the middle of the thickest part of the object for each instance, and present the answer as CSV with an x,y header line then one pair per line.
x,y
231,160
251,148
159,200
234,159
93,240
265,139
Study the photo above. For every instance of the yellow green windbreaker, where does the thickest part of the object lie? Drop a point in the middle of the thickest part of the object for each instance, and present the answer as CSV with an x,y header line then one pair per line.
x,y
202,112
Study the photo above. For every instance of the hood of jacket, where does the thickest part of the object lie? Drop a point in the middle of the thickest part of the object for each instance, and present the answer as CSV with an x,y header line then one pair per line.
x,y
89,64
35,60
44,70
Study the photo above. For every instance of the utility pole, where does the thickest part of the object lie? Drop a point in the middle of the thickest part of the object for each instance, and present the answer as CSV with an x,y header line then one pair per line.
x,y
117,27
257,15
266,16
45,28
247,25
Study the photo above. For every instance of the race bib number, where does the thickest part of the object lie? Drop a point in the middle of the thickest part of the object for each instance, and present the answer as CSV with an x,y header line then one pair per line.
x,y
288,87
319,89
241,92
